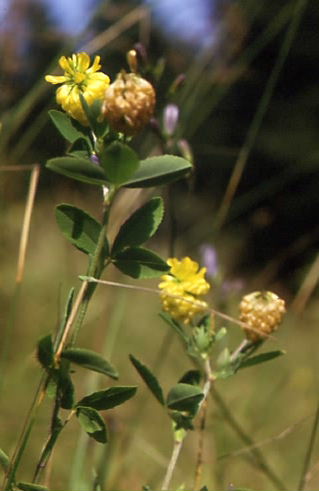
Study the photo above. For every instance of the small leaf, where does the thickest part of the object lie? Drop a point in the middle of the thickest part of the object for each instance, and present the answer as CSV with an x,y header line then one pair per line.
x,y
224,358
156,171
223,373
80,228
183,422
67,312
30,486
255,360
140,226
65,386
175,325
138,262
91,360
220,334
79,154
192,377
93,423
51,389
65,126
93,113
119,162
81,149
79,169
184,397
149,378
45,352
4,460
108,398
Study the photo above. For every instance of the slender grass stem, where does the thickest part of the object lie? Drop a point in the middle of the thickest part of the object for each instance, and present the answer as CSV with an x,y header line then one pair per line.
x,y
257,455
307,288
246,149
309,452
34,179
26,430
199,91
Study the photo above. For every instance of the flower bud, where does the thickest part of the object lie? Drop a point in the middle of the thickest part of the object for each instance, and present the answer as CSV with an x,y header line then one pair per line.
x,y
262,312
129,103
131,57
185,150
170,119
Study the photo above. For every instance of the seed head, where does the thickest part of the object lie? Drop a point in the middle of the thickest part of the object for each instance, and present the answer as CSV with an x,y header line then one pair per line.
x,y
129,103
262,312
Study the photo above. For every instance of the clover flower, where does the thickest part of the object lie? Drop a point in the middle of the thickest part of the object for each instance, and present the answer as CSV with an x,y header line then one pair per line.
x,y
262,312
129,103
79,78
181,288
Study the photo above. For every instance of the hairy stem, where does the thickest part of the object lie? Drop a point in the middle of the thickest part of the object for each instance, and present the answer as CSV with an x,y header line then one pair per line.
x,y
172,464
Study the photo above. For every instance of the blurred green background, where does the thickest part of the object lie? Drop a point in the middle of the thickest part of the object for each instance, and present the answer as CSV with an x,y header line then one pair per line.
x,y
250,91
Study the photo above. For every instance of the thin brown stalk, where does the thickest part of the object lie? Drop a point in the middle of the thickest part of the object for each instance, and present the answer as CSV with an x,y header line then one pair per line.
x,y
158,292
73,314
135,15
267,441
258,458
210,378
200,451
307,288
34,179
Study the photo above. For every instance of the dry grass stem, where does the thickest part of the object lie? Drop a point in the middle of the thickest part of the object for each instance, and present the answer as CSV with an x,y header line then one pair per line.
x,y
134,16
34,179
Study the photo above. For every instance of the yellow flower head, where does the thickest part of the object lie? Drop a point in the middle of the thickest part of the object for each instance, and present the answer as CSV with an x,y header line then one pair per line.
x,y
181,288
79,78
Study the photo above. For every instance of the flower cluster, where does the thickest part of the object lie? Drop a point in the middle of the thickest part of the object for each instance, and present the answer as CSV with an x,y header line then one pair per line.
x,y
181,289
79,78
262,312
128,103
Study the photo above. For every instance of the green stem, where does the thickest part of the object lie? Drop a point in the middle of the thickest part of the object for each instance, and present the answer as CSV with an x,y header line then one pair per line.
x,y
46,452
94,268
83,299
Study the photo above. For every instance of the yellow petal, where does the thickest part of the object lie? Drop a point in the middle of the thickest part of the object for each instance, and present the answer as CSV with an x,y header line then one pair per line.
x,y
65,64
82,61
99,76
96,65
53,79
62,94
